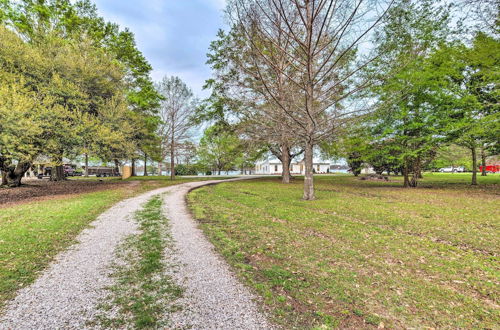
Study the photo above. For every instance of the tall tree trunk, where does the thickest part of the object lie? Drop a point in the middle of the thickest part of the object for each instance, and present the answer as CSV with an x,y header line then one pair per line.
x,y
309,147
483,162
133,168
418,170
86,165
474,165
285,161
406,182
145,164
117,166
172,160
57,172
416,173
4,179
419,173
308,179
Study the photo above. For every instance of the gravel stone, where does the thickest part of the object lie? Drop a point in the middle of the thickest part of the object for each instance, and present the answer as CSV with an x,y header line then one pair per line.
x,y
214,298
67,293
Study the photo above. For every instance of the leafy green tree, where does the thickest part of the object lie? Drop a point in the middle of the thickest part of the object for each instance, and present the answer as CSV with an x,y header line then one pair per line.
x,y
477,124
219,149
416,95
91,70
352,145
78,22
451,155
25,71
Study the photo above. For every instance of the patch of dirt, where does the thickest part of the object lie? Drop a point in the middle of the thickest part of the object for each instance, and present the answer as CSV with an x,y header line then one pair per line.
x,y
375,177
36,190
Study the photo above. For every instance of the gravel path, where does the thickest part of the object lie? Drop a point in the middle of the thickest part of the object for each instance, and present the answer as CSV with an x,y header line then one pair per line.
x,y
214,298
67,293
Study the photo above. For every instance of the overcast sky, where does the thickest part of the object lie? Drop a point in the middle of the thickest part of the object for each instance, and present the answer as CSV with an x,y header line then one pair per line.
x,y
174,35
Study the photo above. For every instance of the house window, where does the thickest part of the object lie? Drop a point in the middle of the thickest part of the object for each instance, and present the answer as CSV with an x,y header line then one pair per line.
x,y
275,168
318,168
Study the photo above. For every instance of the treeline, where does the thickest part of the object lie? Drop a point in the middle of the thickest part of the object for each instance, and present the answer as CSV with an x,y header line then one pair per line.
x,y
381,82
71,84
438,87
221,148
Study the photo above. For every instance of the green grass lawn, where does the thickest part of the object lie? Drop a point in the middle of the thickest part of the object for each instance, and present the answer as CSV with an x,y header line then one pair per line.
x,y
364,253
31,234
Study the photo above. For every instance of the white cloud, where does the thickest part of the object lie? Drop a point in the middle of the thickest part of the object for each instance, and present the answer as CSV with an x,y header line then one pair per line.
x,y
174,35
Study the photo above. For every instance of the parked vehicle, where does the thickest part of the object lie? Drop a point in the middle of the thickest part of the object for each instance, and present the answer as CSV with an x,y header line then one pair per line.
x,y
102,171
46,171
491,168
452,169
69,170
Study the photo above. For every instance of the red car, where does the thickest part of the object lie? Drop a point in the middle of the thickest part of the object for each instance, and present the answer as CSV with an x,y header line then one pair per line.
x,y
491,168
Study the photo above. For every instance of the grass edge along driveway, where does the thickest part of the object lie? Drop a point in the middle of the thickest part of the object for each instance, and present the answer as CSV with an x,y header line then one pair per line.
x,y
33,233
365,254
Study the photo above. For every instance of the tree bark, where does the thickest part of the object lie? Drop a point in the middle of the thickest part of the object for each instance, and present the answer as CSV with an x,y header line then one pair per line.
x,y
172,160
309,98
285,161
483,162
57,172
416,174
117,166
145,164
12,175
406,182
474,165
308,179
4,179
86,165
133,168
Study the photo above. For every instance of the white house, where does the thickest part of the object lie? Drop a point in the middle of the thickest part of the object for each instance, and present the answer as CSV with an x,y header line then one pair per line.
x,y
274,166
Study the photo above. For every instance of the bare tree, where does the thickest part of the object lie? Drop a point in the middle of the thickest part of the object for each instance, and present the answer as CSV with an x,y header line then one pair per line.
x,y
239,76
324,48
483,15
277,136
175,113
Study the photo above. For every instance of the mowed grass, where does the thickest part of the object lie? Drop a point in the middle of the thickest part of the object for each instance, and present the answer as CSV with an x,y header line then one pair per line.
x,y
364,253
32,233
142,295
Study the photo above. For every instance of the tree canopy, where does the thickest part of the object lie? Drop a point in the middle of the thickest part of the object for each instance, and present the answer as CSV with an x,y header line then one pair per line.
x,y
73,84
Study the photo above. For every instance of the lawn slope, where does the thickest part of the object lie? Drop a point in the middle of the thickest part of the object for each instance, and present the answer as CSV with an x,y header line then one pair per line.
x,y
364,253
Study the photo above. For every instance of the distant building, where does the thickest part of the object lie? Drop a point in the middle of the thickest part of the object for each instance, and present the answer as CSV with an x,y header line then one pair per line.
x,y
274,166
339,168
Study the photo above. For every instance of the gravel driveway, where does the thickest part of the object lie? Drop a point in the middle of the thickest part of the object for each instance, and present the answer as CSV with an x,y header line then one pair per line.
x,y
66,295
214,299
